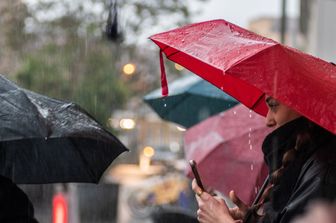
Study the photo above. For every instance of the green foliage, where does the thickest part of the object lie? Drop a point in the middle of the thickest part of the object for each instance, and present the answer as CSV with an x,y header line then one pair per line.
x,y
85,75
66,55
44,71
101,91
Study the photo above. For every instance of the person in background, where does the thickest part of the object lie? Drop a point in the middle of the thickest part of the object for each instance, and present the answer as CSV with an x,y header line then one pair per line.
x,y
301,158
319,212
15,206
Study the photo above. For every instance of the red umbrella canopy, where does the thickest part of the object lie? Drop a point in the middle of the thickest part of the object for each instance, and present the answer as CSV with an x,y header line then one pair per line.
x,y
227,149
248,66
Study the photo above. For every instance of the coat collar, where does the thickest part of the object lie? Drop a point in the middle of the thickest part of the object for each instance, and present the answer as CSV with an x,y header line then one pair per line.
x,y
281,140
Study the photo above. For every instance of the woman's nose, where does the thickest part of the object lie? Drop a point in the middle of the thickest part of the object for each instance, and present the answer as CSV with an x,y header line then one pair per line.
x,y
270,121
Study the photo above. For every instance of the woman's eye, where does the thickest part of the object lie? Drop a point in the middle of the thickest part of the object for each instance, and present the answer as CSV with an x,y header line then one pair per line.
x,y
273,108
273,105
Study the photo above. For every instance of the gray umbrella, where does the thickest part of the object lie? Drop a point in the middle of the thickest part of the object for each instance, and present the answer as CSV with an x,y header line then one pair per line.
x,y
44,140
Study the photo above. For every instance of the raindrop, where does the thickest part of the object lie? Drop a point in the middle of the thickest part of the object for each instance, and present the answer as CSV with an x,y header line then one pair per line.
x,y
165,105
252,166
250,115
45,138
250,129
251,146
249,142
234,112
255,190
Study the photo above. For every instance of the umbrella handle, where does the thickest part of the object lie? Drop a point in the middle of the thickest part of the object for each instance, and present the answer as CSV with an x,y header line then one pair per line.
x,y
261,191
251,216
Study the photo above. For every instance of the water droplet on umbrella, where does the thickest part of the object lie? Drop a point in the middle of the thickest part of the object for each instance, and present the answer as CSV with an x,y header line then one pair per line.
x,y
251,146
252,166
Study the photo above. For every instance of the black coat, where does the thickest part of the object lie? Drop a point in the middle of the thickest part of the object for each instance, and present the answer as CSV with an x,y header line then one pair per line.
x,y
310,177
15,207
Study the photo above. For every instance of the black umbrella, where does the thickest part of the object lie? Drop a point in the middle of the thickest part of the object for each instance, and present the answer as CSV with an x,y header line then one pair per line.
x,y
43,140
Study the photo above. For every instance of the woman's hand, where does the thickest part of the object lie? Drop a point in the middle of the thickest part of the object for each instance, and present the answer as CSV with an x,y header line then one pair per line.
x,y
238,212
211,209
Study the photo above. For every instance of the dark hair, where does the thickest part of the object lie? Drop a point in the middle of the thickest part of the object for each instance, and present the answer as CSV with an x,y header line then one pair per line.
x,y
305,136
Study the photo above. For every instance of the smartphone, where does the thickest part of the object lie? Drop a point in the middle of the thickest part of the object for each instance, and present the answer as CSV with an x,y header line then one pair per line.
x,y
193,166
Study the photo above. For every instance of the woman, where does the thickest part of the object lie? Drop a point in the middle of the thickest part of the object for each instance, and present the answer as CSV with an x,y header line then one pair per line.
x,y
301,157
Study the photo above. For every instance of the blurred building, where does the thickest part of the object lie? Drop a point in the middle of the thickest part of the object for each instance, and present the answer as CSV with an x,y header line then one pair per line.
x,y
317,19
314,32
148,130
270,27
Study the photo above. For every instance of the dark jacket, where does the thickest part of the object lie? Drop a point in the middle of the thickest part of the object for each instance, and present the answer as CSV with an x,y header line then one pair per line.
x,y
15,207
310,177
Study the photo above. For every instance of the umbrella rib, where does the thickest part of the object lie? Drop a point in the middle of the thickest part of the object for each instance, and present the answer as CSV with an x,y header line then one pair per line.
x,y
261,97
83,159
172,54
248,57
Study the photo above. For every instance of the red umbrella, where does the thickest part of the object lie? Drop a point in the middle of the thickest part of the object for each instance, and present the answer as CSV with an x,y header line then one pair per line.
x,y
248,66
227,149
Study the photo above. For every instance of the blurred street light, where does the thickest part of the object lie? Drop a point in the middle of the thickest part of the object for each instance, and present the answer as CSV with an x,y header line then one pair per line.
x,y
145,158
127,123
129,68
60,209
148,151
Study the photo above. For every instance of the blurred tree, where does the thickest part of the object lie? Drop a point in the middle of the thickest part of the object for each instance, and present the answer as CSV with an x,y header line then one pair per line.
x,y
12,36
68,56
83,73
13,14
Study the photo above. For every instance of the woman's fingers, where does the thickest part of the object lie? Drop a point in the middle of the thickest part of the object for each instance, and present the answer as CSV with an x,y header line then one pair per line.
x,y
196,188
236,200
211,209
238,212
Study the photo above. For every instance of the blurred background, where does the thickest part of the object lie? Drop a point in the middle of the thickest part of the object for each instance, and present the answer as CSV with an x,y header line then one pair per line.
x,y
97,54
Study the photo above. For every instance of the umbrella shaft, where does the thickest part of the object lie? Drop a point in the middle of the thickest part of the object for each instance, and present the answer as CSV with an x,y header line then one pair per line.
x,y
261,191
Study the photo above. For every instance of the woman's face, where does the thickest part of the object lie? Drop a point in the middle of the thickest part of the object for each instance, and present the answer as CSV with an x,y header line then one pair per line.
x,y
278,114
